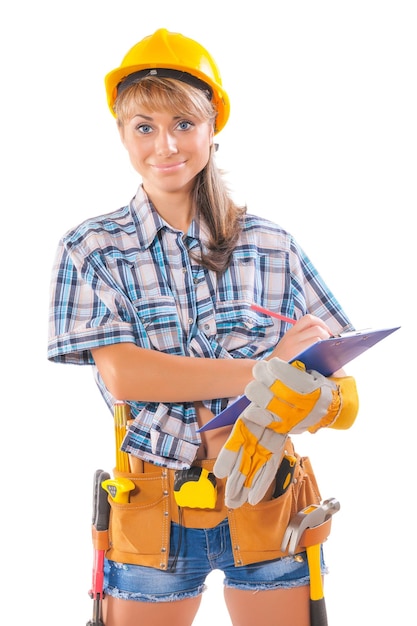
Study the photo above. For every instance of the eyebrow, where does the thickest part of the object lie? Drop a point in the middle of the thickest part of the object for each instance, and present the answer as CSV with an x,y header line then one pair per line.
x,y
150,118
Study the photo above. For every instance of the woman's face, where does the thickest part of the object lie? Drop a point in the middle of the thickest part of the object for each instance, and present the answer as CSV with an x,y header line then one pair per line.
x,y
168,151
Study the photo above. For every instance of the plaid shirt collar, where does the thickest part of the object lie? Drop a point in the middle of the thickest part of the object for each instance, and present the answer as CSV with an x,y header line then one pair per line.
x,y
148,222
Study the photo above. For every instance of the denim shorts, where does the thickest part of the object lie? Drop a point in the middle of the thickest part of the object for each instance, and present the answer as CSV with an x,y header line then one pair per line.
x,y
194,553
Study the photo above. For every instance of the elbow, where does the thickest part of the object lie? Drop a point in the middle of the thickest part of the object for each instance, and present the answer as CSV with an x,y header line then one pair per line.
x,y
115,383
117,388
115,369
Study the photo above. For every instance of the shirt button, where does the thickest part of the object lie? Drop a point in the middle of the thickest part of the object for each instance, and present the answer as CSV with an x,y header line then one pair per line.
x,y
206,326
190,320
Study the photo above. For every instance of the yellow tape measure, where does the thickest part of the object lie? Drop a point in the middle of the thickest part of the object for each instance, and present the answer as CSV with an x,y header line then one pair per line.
x,y
195,488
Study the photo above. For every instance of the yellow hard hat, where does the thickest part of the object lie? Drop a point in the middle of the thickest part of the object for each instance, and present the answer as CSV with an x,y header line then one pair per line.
x,y
181,57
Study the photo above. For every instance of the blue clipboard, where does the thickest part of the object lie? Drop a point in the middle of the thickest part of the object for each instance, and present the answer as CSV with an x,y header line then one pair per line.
x,y
325,356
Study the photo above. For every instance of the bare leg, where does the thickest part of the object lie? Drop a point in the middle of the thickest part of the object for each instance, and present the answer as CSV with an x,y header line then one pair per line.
x,y
118,612
275,607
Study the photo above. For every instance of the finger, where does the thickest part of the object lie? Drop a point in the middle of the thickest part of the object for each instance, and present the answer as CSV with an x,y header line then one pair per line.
x,y
224,463
314,325
257,415
235,494
294,376
263,481
262,372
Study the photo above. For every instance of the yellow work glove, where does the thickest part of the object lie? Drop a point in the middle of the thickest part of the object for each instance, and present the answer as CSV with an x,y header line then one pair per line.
x,y
249,459
298,399
284,399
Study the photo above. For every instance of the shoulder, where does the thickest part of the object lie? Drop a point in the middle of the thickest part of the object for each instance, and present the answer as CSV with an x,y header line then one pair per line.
x,y
100,231
264,233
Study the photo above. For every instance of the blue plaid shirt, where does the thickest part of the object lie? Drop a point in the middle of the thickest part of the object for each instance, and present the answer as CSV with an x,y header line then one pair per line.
x,y
128,277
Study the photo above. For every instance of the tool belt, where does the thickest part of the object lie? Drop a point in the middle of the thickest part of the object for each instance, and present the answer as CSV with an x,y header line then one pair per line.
x,y
139,530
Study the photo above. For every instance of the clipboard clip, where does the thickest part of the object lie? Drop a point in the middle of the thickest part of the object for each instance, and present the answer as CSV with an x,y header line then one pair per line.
x,y
349,331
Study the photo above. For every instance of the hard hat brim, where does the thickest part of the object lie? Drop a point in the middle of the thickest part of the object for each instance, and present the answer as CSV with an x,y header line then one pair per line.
x,y
220,98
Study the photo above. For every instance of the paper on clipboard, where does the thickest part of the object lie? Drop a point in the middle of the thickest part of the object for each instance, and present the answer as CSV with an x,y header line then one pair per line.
x,y
326,357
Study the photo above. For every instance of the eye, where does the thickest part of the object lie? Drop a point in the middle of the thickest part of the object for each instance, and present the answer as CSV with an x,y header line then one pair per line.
x,y
145,129
184,125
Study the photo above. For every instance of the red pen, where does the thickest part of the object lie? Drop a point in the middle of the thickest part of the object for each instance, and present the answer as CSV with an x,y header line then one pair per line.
x,y
260,309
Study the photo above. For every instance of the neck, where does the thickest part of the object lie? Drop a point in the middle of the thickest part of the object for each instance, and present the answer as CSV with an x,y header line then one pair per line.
x,y
175,208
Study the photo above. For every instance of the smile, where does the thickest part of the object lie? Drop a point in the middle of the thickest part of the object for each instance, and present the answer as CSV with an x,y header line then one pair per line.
x,y
169,167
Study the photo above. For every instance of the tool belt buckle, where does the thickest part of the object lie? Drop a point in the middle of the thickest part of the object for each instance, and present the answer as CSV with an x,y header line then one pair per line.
x,y
195,488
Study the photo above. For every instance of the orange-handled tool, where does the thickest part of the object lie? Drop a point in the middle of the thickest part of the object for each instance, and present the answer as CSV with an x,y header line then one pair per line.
x,y
100,525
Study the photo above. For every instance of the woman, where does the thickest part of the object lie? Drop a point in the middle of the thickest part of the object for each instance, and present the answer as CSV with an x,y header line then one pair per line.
x,y
157,298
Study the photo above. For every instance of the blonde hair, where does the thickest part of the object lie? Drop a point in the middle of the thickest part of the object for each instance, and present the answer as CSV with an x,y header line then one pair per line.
x,y
211,194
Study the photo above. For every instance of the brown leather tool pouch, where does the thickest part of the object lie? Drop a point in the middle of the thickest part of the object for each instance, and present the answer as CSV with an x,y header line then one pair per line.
x,y
257,531
139,530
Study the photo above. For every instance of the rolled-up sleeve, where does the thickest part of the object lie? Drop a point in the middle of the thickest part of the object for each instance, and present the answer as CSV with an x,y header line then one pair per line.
x,y
85,311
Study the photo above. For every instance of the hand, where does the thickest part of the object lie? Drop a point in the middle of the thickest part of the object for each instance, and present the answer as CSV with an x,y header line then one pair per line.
x,y
284,399
305,332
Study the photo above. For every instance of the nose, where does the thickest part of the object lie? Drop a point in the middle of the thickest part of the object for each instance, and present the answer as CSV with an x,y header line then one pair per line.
x,y
165,144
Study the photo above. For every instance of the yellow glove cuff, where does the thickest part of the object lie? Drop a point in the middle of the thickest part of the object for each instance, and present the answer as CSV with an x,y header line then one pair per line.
x,y
350,402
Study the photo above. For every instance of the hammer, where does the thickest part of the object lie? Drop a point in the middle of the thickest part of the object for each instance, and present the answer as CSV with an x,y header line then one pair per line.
x,y
310,528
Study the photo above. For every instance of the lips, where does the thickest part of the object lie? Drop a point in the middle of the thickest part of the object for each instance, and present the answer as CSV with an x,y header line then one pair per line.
x,y
168,167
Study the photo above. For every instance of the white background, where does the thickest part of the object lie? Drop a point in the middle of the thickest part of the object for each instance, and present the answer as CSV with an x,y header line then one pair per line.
x,y
322,138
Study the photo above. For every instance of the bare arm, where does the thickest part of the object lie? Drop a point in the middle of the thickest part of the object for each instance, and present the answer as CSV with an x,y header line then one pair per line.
x,y
133,373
